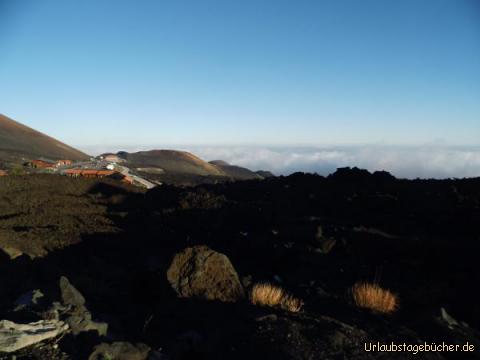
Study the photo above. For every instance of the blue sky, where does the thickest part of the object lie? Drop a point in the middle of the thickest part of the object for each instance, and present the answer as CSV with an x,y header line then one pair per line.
x,y
251,72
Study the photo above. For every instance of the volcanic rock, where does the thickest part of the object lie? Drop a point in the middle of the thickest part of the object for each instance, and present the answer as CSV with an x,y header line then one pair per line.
x,y
70,295
120,351
15,336
78,317
201,272
29,299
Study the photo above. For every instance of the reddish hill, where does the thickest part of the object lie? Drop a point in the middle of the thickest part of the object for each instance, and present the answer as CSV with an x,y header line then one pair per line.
x,y
183,168
172,161
17,140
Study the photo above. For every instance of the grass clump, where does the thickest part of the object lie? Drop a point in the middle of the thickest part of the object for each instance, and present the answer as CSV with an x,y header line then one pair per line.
x,y
373,297
266,294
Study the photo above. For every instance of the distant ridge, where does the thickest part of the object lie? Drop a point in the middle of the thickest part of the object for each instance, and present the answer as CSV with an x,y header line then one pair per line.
x,y
173,161
236,172
18,140
181,167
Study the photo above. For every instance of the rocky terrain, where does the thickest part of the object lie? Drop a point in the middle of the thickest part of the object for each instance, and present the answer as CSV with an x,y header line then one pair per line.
x,y
95,269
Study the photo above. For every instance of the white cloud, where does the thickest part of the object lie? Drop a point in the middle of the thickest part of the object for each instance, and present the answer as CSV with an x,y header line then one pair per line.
x,y
405,162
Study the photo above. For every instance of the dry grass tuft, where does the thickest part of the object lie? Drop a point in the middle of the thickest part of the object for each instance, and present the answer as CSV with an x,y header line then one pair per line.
x,y
291,304
265,294
373,297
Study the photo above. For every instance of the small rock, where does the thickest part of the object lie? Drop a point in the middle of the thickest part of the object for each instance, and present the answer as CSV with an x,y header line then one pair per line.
x,y
451,322
157,355
28,300
271,317
321,293
120,351
326,244
70,295
77,315
188,345
14,336
13,253
81,321
247,281
338,340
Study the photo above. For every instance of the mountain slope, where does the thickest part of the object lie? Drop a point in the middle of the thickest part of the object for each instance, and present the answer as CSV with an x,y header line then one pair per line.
x,y
17,140
183,168
171,161
235,172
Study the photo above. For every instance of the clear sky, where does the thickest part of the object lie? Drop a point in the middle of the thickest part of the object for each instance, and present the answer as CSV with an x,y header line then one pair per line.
x,y
230,72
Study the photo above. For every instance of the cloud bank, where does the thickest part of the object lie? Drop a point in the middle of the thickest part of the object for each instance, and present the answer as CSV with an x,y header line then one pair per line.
x,y
402,161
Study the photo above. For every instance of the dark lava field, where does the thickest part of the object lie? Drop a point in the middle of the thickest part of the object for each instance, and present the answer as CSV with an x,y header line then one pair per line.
x,y
141,275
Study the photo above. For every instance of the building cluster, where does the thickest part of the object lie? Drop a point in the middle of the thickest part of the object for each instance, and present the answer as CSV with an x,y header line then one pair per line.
x,y
94,173
46,164
84,170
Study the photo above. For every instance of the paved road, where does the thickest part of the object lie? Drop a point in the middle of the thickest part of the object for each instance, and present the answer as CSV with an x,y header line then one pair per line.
x,y
126,171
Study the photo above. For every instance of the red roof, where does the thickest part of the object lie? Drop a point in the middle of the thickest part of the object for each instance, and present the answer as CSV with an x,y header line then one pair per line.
x,y
42,164
89,172
73,171
105,172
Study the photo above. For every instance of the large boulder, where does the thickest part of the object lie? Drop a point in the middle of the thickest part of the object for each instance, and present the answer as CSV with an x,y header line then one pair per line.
x,y
201,272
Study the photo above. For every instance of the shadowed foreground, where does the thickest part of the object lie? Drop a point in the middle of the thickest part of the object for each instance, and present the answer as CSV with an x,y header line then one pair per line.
x,y
150,265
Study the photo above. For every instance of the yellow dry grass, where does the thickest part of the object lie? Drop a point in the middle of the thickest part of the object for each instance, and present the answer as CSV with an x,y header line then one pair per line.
x,y
265,294
373,297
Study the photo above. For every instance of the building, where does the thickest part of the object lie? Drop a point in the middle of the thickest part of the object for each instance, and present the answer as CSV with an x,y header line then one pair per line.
x,y
63,163
112,158
73,172
3,173
104,173
88,173
93,173
42,164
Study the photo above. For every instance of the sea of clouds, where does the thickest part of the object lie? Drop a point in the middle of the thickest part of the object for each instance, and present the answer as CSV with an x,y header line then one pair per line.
x,y
405,162
402,161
